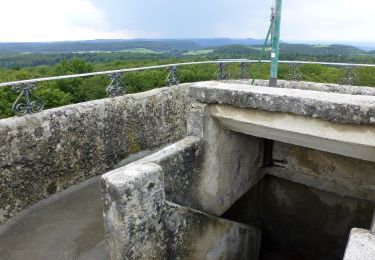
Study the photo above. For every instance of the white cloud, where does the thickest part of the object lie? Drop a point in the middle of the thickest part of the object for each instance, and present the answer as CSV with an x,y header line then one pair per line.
x,y
53,20
333,20
303,20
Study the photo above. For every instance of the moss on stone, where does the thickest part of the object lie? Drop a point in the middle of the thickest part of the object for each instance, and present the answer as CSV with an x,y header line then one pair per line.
x,y
133,144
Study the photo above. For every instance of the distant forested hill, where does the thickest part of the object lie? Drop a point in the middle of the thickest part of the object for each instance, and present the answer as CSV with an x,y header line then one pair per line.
x,y
170,46
98,45
119,45
335,49
219,42
20,55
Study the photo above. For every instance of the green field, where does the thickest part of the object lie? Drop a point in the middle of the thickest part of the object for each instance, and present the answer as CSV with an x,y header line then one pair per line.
x,y
142,50
198,52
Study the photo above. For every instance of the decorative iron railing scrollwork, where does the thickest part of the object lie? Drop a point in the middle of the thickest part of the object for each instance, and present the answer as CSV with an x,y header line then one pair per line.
x,y
242,73
350,76
117,87
295,73
172,78
221,74
27,102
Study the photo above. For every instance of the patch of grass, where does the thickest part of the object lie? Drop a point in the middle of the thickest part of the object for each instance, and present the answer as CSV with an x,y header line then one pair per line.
x,y
143,51
198,52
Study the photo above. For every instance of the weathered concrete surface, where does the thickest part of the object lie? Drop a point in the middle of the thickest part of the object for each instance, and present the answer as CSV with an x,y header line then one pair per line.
x,y
47,152
333,107
141,224
324,87
230,161
361,245
195,235
357,141
66,226
300,221
342,175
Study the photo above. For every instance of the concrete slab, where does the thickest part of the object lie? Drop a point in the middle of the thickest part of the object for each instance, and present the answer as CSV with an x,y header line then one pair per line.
x,y
333,107
357,141
361,245
67,225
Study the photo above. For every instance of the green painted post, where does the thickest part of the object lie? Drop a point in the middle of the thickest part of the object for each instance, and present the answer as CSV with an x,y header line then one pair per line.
x,y
275,44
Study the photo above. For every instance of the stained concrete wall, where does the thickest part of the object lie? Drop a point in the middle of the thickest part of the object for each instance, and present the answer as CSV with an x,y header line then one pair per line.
x,y
46,152
338,174
230,160
141,223
298,221
294,217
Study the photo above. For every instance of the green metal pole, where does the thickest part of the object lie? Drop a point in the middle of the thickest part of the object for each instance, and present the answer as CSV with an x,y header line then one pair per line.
x,y
275,44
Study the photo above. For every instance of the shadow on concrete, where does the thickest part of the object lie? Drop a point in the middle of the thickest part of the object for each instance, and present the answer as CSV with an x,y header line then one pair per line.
x,y
67,225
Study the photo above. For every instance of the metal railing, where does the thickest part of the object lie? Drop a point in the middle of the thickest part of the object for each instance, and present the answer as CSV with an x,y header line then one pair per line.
x,y
27,102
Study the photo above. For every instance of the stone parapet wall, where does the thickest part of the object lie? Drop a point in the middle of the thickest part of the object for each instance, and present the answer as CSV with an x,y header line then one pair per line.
x,y
324,87
47,152
332,107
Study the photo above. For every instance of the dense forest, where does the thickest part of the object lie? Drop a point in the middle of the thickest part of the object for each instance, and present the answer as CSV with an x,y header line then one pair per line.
x,y
304,52
19,66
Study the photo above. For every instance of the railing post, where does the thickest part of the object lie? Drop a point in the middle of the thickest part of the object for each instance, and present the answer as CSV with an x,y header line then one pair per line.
x,y
221,73
117,86
295,74
275,44
243,70
28,106
172,78
350,78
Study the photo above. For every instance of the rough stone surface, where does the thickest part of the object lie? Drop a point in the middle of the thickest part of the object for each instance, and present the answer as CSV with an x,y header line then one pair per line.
x,y
334,107
361,245
141,224
133,202
181,163
230,167
47,152
342,175
324,87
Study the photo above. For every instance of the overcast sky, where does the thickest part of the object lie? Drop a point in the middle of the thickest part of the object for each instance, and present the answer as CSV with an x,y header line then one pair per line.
x,y
303,20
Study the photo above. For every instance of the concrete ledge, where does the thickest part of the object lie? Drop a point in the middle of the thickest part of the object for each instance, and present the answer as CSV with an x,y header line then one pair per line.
x,y
357,141
361,245
324,87
333,107
141,223
46,152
